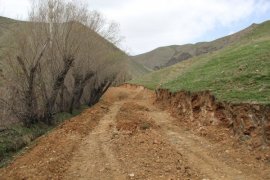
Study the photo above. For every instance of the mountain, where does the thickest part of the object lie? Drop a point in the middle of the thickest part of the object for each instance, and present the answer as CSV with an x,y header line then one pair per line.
x,y
170,55
239,72
133,70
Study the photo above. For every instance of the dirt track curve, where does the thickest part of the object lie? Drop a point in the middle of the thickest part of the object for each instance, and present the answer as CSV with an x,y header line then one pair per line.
x,y
126,136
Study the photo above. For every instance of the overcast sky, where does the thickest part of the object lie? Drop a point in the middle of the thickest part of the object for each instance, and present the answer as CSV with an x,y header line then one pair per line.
x,y
148,24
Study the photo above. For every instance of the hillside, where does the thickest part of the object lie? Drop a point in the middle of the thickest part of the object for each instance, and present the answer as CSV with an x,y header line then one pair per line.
x,y
237,73
5,24
170,55
134,69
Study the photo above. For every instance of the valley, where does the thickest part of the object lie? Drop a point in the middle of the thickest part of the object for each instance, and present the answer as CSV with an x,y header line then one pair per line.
x,y
75,105
128,136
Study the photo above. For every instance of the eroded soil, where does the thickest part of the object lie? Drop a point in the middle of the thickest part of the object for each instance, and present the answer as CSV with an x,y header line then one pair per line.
x,y
126,136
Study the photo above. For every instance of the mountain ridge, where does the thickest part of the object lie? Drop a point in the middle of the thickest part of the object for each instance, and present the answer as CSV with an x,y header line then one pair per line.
x,y
238,73
169,55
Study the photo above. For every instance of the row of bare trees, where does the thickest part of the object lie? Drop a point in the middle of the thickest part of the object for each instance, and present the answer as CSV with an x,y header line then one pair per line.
x,y
65,56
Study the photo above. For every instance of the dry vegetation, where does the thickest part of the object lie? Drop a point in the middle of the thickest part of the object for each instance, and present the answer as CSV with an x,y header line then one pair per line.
x,y
65,56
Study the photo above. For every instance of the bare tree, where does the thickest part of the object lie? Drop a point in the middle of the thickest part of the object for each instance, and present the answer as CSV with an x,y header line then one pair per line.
x,y
67,37
52,60
22,60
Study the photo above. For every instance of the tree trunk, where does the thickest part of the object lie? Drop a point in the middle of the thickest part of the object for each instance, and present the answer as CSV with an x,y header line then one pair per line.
x,y
61,103
79,84
97,92
59,81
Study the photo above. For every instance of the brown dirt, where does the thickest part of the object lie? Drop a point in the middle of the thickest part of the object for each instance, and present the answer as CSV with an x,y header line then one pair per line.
x,y
127,136
50,155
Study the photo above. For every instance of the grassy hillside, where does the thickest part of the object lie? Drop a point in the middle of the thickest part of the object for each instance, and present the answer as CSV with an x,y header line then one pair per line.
x,y
237,73
170,55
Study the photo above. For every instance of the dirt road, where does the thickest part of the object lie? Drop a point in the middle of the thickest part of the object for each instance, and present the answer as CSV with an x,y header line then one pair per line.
x,y
126,136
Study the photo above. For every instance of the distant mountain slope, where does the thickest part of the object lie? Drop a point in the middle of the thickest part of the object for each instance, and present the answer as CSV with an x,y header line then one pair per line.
x,y
167,56
236,73
135,69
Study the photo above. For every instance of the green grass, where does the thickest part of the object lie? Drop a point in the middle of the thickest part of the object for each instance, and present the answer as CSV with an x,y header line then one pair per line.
x,y
261,31
17,136
239,73
161,56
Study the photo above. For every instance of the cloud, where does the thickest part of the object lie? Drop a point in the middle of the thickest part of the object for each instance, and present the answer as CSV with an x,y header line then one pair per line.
x,y
14,8
153,23
148,24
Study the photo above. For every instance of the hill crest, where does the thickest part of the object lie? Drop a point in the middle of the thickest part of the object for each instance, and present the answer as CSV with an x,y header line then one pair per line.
x,y
169,55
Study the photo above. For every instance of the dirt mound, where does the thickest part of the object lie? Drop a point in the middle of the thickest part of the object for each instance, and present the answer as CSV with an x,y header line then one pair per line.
x,y
131,118
115,94
143,150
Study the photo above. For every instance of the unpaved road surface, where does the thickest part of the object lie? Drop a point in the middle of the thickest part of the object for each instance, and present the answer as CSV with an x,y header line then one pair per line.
x,y
126,136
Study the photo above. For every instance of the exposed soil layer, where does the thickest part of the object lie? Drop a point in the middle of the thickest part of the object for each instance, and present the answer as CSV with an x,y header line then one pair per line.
x,y
250,122
245,125
132,134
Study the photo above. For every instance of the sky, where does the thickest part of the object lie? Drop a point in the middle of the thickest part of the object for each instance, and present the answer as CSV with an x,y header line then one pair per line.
x,y
148,24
